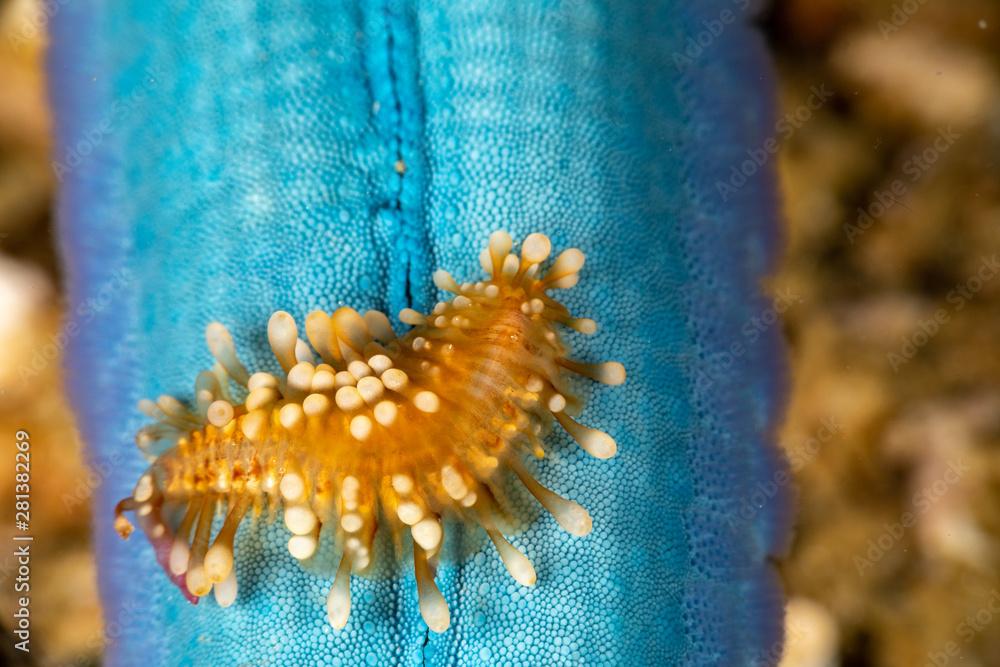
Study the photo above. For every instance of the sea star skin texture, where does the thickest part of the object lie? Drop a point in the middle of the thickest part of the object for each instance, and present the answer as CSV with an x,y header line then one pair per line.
x,y
222,160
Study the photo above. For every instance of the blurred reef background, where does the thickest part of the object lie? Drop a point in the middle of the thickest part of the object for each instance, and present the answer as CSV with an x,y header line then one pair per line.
x,y
888,141
892,211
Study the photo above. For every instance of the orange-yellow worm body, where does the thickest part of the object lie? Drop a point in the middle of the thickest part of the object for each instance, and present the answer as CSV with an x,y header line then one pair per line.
x,y
386,432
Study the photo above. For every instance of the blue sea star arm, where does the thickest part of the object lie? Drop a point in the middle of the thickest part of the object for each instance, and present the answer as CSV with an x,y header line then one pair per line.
x,y
221,160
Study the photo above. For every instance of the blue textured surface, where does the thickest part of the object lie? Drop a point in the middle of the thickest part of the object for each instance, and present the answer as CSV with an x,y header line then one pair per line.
x,y
236,158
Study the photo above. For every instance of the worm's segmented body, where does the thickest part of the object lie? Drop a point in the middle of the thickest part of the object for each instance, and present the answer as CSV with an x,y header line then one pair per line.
x,y
384,432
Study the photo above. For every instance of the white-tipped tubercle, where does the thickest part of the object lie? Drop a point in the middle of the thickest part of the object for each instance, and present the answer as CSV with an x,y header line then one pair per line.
x,y
350,328
359,369
283,336
144,488
427,533
315,405
379,326
409,513
595,442
180,552
262,379
302,547
509,267
324,381
219,558
371,389
196,578
444,281
584,325
453,483
338,600
402,483
175,412
220,344
361,427
609,372
535,248
385,413
427,401
198,583
569,515
303,353
300,519
319,331
292,487
411,317
254,425
380,363
291,416
220,413
261,397
395,379
351,522
499,245
517,564
349,399
569,262
218,562
206,389
433,607
300,377
225,591
486,261
343,379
